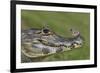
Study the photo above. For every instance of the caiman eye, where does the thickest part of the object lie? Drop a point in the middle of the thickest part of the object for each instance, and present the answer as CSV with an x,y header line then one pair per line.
x,y
45,30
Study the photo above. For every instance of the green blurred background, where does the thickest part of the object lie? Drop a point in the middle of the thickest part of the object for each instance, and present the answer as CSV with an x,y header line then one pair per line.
x,y
60,23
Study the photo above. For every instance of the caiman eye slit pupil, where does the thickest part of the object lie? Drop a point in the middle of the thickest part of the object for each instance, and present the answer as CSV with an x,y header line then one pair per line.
x,y
45,30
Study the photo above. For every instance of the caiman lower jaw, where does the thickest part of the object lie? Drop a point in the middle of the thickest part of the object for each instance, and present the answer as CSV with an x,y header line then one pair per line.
x,y
76,46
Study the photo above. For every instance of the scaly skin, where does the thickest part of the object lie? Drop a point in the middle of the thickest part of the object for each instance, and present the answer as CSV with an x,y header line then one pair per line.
x,y
48,43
